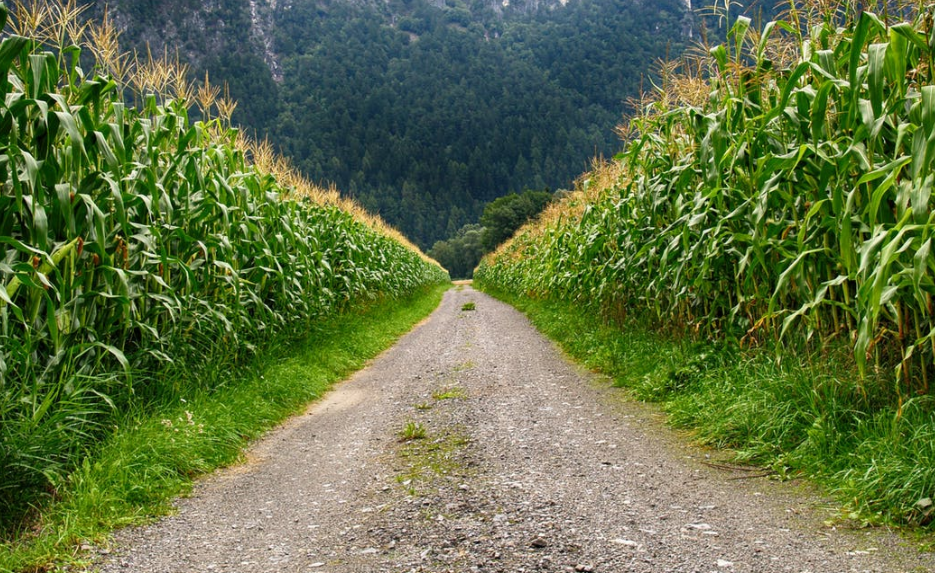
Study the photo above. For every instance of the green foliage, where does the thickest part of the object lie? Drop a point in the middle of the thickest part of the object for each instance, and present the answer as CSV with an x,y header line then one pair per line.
x,y
501,217
142,256
461,253
449,393
504,215
412,431
788,198
426,121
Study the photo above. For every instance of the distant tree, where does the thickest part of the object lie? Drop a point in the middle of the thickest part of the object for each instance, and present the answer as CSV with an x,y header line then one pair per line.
x,y
504,215
461,253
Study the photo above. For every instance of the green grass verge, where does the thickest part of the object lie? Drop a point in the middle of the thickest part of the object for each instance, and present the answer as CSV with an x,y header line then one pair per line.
x,y
799,414
134,476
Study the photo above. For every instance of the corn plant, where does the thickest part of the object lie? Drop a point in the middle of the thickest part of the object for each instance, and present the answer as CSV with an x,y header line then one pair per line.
x,y
782,190
143,254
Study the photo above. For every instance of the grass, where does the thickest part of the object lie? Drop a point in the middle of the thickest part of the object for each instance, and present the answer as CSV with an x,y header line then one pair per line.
x,y
804,415
427,459
148,460
449,393
468,306
412,431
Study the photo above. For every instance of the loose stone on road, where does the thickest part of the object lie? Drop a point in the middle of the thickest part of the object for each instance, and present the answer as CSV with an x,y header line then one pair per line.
x,y
526,463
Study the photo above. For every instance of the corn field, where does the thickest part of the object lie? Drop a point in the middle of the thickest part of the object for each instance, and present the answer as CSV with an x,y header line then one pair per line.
x,y
141,251
775,187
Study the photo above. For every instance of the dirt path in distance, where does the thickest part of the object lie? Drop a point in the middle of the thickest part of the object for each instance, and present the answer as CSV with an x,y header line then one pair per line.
x,y
527,463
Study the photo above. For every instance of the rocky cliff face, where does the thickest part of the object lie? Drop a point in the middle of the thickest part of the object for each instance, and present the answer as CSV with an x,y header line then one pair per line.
x,y
195,29
261,34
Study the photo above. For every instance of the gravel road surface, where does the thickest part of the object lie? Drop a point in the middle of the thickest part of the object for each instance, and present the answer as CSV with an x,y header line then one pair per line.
x,y
527,463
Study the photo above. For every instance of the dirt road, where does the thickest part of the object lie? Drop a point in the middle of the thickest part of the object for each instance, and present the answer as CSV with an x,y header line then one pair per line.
x,y
527,463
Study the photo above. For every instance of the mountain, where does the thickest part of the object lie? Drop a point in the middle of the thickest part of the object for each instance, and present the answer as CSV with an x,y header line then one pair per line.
x,y
422,110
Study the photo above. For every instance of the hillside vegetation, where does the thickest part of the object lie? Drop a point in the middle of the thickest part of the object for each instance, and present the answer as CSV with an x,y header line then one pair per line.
x,y
143,256
422,111
501,218
774,195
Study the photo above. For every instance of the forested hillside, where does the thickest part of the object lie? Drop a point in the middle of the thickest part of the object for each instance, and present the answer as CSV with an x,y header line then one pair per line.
x,y
423,111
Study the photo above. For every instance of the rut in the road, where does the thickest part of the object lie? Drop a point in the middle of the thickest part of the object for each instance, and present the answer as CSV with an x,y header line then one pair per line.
x,y
527,463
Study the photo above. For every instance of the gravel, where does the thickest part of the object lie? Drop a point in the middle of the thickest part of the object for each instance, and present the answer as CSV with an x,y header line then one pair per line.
x,y
528,463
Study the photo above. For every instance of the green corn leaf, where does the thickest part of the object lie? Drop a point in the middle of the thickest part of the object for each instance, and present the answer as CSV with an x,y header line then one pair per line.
x,y
819,111
919,270
63,197
905,30
920,195
32,171
892,172
4,296
931,42
71,128
40,409
919,148
876,63
897,61
109,157
119,355
866,25
859,38
720,56
901,132
790,84
739,32
116,135
38,68
923,142
864,335
766,34
890,169
52,325
786,276
868,252
881,291
928,109
828,64
40,226
10,50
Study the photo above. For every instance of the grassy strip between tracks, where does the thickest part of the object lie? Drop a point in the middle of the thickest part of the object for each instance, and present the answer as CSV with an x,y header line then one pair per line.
x,y
795,413
149,460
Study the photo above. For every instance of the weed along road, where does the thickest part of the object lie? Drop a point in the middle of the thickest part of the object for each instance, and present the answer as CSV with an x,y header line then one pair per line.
x,y
473,445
